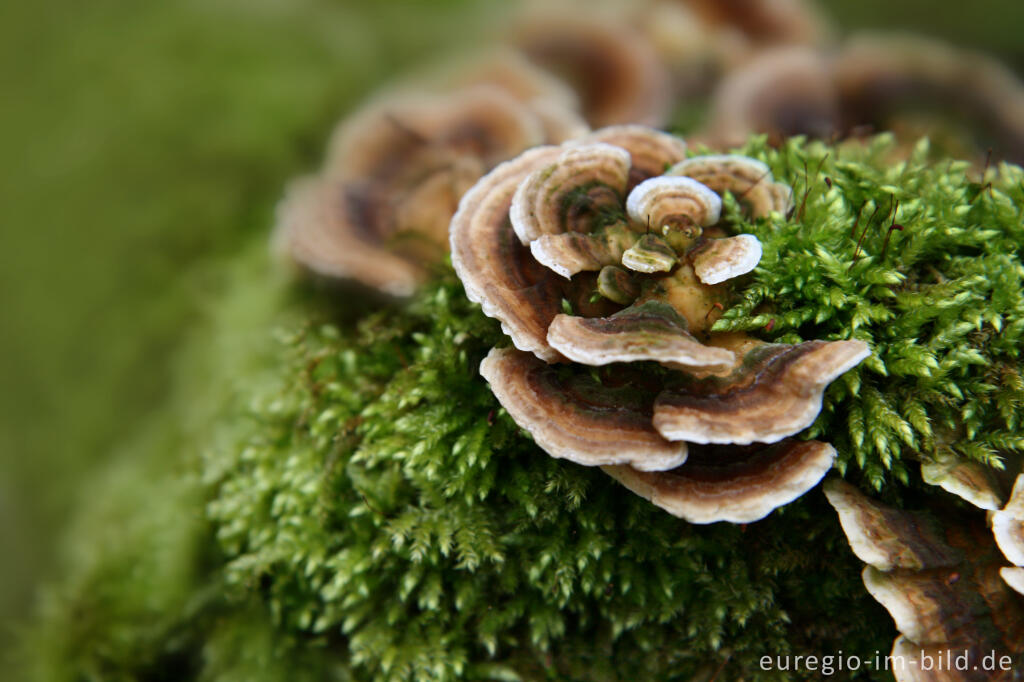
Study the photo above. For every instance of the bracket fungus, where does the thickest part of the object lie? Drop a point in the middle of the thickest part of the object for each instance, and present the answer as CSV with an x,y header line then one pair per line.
x,y
880,77
620,269
1008,529
939,578
610,64
968,480
764,21
379,210
873,81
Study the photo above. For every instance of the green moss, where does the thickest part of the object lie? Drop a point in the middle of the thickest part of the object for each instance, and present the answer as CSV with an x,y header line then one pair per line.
x,y
939,299
362,507
384,497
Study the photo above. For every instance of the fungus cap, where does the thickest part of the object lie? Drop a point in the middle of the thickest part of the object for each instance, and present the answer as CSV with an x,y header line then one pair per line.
x,y
876,74
496,270
614,70
749,180
315,227
736,489
543,200
888,538
650,151
937,576
775,392
970,481
576,417
646,331
724,259
380,210
663,200
1008,525
782,91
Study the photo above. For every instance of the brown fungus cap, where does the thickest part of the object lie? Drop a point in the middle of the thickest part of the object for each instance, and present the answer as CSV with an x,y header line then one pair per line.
x,y
873,82
581,182
570,211
650,151
938,576
614,70
764,21
724,259
878,76
318,226
970,481
552,101
645,331
1008,525
401,134
749,180
782,92
496,270
775,392
379,212
888,538
579,265
733,484
573,416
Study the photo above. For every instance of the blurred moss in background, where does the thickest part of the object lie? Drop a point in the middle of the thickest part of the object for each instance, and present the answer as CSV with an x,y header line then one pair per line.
x,y
143,142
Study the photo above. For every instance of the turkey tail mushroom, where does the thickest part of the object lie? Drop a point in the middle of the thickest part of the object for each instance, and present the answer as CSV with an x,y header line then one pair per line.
x,y
614,70
735,484
574,416
526,241
939,578
775,392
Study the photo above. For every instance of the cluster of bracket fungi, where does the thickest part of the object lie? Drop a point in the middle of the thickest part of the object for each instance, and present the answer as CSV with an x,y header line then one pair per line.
x,y
378,210
624,232
942,575
605,257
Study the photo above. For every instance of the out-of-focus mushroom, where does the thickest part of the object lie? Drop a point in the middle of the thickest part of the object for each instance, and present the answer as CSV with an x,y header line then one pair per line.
x,y
902,83
700,41
879,76
764,21
380,209
731,483
615,71
774,393
782,91
939,578
573,416
551,100
380,212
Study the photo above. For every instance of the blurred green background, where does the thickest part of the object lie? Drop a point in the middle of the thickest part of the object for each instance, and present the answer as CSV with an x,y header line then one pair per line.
x,y
143,143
